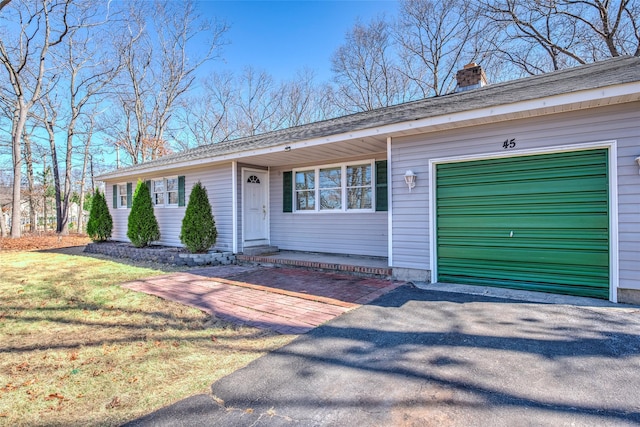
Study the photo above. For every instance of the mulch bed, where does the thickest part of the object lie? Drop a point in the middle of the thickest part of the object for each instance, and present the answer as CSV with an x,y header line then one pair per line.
x,y
38,242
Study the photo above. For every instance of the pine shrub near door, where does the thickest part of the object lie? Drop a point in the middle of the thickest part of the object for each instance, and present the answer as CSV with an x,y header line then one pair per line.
x,y
100,224
142,227
198,232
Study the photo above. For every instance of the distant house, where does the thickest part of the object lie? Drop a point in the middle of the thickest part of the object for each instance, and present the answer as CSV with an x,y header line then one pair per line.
x,y
528,184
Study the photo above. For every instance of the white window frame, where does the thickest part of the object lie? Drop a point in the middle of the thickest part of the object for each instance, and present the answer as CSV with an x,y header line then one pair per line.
x,y
166,191
154,192
343,187
121,194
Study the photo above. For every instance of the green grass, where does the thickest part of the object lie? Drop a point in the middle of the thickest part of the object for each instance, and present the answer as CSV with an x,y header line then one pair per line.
x,y
78,349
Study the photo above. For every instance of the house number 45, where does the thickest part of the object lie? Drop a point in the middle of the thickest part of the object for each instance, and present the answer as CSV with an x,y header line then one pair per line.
x,y
509,143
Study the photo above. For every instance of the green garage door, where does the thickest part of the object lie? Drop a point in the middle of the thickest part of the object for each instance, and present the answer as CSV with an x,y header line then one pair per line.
x,y
533,222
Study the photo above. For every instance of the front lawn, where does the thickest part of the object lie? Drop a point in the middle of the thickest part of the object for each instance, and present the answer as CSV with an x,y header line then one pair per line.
x,y
77,349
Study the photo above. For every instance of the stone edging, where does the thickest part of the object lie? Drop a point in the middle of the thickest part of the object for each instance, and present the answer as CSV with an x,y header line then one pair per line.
x,y
162,254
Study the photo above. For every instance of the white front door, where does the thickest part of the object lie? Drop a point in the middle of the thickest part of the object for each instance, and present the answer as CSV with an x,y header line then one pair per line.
x,y
255,207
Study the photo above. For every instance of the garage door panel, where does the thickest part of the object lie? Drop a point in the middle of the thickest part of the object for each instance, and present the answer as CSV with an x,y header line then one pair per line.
x,y
594,244
571,289
510,188
506,269
563,162
516,254
525,222
532,222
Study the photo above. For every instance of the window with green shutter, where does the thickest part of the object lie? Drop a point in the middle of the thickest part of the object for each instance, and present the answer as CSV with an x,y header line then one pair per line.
x,y
129,194
287,190
181,197
381,186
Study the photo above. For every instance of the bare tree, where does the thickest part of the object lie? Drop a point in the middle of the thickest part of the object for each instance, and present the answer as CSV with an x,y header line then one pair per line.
x,y
257,104
302,100
364,71
88,71
434,42
540,36
33,28
160,68
86,157
32,194
206,117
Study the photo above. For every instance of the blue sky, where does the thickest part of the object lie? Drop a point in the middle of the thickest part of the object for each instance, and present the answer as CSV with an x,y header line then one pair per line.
x,y
282,37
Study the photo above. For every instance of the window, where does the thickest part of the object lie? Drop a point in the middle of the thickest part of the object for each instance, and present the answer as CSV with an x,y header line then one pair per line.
x,y
359,187
167,191
305,190
172,191
158,192
340,188
331,188
122,195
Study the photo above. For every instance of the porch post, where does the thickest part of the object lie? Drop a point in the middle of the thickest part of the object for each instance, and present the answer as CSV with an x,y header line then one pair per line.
x,y
390,204
234,206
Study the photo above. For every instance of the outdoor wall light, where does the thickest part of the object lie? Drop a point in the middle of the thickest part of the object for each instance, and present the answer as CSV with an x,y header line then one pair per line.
x,y
410,179
638,162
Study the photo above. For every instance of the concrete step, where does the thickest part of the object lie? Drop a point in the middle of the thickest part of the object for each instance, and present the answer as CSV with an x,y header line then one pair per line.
x,y
260,250
350,268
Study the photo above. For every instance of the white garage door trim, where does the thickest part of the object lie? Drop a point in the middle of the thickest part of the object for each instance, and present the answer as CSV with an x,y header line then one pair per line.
x,y
611,146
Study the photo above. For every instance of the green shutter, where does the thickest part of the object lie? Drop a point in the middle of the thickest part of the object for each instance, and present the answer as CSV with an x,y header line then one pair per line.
x,y
533,222
115,196
381,186
181,191
287,191
129,195
148,184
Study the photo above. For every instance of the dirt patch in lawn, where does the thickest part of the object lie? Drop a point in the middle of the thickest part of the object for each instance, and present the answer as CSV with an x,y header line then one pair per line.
x,y
78,349
36,242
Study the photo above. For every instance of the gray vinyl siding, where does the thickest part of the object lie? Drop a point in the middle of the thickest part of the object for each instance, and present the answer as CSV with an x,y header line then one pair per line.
x,y
410,228
217,181
350,233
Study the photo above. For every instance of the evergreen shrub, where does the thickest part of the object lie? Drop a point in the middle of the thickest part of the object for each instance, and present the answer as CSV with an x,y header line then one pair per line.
x,y
142,226
198,232
100,224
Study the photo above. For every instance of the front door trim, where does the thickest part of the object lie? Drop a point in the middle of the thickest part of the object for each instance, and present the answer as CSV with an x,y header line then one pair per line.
x,y
246,172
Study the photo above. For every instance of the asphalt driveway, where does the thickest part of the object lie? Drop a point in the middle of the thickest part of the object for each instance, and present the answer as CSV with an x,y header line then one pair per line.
x,y
423,358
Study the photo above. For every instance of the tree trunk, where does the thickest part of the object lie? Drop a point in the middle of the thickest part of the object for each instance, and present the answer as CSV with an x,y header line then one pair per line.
x,y
85,161
28,158
20,118
63,222
56,174
93,182
3,224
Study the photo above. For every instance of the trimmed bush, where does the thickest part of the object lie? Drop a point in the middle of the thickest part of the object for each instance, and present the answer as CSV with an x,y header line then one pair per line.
x,y
198,232
100,223
142,227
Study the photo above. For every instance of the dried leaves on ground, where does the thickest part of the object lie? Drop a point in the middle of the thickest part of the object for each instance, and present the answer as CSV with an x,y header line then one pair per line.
x,y
78,349
43,241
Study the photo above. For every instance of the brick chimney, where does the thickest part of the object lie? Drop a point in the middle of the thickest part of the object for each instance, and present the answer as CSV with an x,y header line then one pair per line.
x,y
470,77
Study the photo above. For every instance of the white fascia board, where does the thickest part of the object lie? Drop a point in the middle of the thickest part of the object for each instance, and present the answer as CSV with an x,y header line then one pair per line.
x,y
500,112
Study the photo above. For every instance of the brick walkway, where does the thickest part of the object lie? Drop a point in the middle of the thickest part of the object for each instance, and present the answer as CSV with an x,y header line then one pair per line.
x,y
285,300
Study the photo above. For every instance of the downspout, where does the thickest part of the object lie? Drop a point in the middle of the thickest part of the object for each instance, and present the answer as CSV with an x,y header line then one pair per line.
x,y
389,205
234,206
